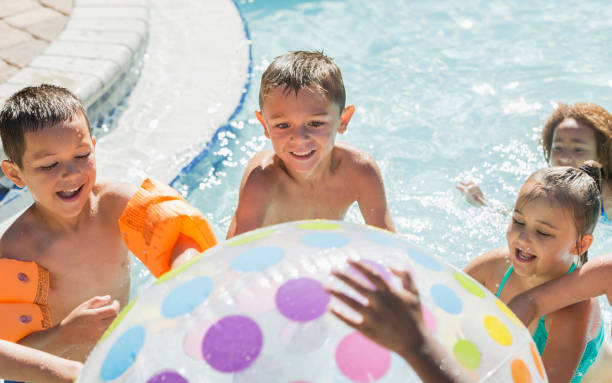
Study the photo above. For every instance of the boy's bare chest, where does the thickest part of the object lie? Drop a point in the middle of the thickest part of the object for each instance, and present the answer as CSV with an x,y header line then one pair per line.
x,y
329,201
84,267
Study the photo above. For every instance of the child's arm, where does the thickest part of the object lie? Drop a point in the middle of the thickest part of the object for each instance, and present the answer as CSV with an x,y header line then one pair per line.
x,y
591,280
22,363
473,194
372,199
393,319
567,339
83,326
252,202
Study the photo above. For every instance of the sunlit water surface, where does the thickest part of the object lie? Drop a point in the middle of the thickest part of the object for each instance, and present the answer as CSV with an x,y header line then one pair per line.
x,y
444,91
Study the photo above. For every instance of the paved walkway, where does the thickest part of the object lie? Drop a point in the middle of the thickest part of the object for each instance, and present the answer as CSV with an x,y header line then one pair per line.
x,y
26,28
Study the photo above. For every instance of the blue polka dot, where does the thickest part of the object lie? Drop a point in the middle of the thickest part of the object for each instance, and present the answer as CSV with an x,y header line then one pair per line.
x,y
325,240
259,258
186,297
123,353
446,299
381,238
425,260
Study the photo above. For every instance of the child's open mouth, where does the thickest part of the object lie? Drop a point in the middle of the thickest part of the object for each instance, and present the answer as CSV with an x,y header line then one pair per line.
x,y
69,194
523,256
303,155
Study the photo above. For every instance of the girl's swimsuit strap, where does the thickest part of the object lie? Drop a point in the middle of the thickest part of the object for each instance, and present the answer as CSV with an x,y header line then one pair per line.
x,y
504,280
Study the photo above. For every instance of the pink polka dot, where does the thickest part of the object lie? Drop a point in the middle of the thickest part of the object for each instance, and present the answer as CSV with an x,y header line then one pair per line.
x,y
429,319
192,344
362,360
256,299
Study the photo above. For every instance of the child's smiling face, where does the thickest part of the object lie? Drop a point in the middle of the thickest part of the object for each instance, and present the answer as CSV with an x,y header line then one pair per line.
x,y
572,144
541,236
58,167
302,127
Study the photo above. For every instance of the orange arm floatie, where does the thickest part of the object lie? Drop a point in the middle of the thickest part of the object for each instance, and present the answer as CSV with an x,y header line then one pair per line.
x,y
22,281
24,288
18,319
153,220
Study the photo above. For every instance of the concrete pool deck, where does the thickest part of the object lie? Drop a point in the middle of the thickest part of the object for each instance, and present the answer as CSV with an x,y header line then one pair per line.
x,y
108,43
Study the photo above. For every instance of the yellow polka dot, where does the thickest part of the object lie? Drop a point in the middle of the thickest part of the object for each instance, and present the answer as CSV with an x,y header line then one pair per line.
x,y
508,313
497,330
520,372
318,225
469,284
467,354
536,359
117,320
250,237
174,272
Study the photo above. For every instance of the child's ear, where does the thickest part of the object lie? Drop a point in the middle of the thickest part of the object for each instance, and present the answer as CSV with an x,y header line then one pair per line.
x,y
582,244
345,117
262,122
12,171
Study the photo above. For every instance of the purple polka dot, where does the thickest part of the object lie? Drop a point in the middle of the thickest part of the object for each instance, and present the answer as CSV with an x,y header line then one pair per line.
x,y
302,299
375,266
232,344
167,377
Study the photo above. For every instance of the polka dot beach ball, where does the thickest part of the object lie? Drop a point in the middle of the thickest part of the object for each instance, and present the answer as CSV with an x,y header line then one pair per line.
x,y
253,309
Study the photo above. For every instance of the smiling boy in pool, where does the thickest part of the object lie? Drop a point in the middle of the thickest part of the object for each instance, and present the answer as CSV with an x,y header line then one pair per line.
x,y
69,238
307,174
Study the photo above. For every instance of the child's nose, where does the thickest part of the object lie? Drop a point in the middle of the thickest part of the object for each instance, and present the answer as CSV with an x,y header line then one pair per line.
x,y
70,169
566,159
301,132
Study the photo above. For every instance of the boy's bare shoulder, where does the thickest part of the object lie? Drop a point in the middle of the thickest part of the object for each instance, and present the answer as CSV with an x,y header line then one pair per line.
x,y
356,156
263,167
18,235
113,196
356,163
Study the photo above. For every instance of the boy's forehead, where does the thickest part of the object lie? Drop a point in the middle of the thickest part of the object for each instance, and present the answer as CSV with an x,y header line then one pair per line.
x,y
36,140
287,97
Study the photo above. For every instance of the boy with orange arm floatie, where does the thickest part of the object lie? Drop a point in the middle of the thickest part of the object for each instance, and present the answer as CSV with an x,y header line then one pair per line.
x,y
64,263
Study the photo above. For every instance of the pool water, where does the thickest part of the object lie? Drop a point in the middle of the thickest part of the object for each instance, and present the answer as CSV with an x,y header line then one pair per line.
x,y
444,91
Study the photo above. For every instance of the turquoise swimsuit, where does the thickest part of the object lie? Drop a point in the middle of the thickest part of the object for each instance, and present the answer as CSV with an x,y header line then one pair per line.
x,y
540,336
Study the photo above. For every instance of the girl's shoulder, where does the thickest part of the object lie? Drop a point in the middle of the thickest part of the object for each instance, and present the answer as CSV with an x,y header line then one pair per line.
x,y
489,268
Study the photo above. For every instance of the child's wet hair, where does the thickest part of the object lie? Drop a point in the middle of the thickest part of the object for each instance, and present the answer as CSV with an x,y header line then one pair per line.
x,y
301,70
588,114
35,108
576,189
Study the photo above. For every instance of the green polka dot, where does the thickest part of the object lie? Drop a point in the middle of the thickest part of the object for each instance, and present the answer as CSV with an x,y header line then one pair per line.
x,y
174,272
250,237
117,320
469,284
467,354
318,225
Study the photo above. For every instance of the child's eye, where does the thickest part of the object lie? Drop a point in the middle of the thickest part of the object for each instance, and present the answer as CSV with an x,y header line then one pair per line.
x,y
556,149
516,221
316,124
83,156
579,150
281,126
543,234
48,167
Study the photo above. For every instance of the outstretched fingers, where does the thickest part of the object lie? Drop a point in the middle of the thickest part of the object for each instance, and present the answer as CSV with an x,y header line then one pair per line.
x,y
373,276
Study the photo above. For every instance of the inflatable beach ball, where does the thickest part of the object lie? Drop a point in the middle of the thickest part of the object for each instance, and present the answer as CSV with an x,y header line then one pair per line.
x,y
253,309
